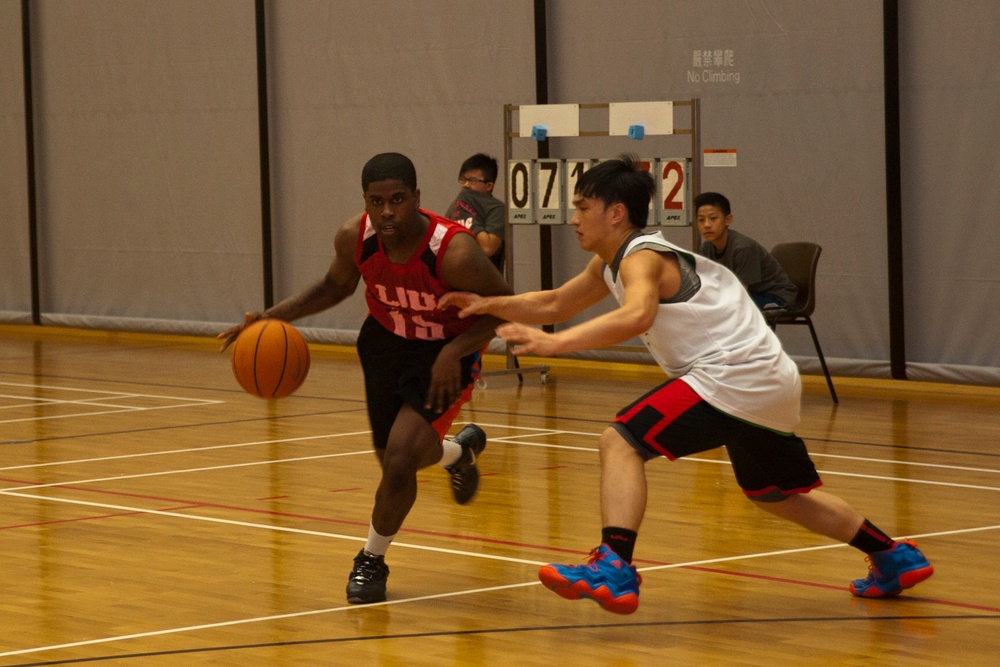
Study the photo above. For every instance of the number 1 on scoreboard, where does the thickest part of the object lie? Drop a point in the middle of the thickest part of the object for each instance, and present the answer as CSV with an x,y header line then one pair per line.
x,y
575,168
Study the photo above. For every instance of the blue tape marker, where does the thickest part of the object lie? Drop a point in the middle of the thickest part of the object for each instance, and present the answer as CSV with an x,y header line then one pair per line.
x,y
636,131
538,133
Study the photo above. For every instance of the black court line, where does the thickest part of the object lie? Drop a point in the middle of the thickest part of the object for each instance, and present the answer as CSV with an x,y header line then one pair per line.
x,y
505,631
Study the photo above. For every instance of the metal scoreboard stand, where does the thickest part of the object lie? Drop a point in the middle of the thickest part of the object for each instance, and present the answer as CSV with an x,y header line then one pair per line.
x,y
539,190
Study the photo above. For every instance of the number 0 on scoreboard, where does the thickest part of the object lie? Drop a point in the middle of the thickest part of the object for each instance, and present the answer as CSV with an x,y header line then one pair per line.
x,y
519,195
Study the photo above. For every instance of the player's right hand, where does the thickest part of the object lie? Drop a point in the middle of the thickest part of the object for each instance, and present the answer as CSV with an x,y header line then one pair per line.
x,y
466,302
232,333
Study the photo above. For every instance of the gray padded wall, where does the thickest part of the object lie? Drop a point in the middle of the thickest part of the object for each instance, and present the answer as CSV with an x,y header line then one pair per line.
x,y
15,279
805,116
429,83
147,147
950,103
146,127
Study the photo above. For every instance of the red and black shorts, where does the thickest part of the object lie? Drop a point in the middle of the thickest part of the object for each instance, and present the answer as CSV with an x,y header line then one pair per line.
x,y
674,421
398,372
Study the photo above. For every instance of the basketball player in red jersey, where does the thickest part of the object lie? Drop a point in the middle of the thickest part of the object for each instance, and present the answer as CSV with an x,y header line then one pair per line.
x,y
419,362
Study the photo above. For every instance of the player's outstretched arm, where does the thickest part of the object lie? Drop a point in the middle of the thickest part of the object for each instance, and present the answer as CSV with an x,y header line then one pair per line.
x,y
542,307
647,277
339,282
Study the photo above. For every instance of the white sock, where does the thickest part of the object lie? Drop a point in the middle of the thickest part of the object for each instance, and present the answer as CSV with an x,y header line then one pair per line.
x,y
452,452
377,544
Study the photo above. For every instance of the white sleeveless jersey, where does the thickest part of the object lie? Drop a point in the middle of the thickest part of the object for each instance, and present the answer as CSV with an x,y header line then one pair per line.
x,y
721,345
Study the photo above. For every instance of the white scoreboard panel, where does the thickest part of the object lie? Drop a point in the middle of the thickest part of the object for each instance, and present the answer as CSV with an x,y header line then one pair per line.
x,y
540,191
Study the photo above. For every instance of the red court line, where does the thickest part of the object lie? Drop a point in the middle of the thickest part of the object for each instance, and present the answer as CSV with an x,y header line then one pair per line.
x,y
94,517
481,540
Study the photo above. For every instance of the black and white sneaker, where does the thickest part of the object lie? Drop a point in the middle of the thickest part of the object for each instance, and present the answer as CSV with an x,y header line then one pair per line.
x,y
464,473
367,581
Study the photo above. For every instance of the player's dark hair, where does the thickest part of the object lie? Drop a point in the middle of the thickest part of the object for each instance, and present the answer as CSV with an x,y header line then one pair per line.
x,y
389,166
485,163
712,199
620,181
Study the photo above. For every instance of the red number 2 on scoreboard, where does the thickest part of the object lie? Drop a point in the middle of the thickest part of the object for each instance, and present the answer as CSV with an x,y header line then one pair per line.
x,y
673,172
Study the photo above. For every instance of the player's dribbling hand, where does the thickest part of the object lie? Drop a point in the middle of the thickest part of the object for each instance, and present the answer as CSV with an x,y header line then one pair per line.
x,y
230,335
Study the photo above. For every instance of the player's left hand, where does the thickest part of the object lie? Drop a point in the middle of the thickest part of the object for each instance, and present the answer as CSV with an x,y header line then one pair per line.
x,y
446,382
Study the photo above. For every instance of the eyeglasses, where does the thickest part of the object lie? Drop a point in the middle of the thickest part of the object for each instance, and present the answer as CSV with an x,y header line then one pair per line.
x,y
471,181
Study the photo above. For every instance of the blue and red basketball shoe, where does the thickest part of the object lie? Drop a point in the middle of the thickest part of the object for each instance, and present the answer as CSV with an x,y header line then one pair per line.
x,y
893,570
606,579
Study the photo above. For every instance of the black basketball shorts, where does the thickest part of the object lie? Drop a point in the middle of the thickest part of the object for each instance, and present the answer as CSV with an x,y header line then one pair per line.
x,y
674,421
398,371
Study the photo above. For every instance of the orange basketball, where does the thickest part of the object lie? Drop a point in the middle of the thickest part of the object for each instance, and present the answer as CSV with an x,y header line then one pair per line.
x,y
270,358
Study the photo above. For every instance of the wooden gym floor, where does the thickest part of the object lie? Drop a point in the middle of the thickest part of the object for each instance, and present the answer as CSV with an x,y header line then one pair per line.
x,y
154,514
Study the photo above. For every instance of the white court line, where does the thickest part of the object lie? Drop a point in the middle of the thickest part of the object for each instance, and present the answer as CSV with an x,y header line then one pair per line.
x,y
282,529
262,526
516,439
836,473
163,473
125,394
451,594
104,412
186,450
907,463
181,515
264,619
689,459
33,401
782,552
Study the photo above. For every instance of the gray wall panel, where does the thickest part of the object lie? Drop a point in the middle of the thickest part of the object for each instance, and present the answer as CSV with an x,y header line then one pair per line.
x,y
430,83
146,130
147,152
950,99
15,278
800,99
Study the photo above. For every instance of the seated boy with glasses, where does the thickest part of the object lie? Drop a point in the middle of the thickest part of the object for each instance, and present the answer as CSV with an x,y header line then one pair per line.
x,y
477,208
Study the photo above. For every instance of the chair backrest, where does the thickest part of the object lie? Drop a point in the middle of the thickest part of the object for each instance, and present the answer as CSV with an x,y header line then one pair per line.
x,y
799,261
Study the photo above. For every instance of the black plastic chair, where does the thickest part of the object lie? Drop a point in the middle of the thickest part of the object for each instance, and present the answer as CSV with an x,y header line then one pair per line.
x,y
799,261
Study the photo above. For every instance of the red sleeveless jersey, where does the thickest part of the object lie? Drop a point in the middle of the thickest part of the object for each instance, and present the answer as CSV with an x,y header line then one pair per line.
x,y
403,297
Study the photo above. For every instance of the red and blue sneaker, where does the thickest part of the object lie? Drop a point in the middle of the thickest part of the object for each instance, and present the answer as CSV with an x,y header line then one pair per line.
x,y
893,570
606,579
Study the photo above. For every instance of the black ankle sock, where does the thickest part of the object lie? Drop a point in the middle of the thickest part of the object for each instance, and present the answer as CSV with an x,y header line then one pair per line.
x,y
621,541
870,539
